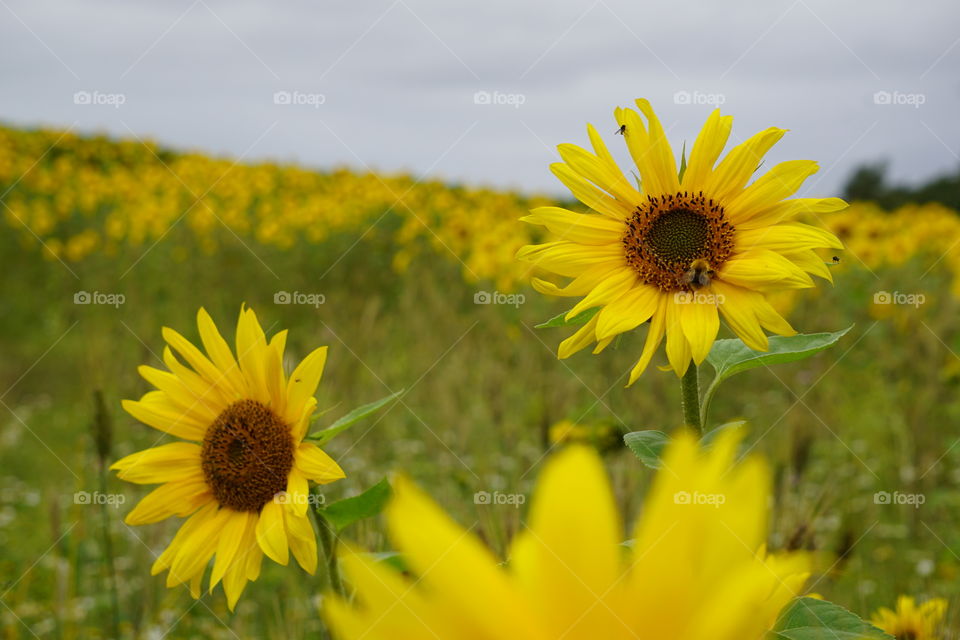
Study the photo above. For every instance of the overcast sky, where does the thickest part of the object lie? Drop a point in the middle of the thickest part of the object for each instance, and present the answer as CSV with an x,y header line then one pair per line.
x,y
399,84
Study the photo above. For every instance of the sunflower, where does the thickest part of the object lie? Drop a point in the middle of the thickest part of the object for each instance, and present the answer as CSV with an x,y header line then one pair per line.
x,y
679,250
696,569
241,475
910,622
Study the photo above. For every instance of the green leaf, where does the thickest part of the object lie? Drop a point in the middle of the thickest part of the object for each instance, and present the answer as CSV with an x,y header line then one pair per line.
x,y
392,559
342,513
683,162
707,440
732,356
647,445
325,435
812,619
560,321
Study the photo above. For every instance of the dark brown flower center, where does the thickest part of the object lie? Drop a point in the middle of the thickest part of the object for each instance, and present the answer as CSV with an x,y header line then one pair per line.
x,y
668,237
247,455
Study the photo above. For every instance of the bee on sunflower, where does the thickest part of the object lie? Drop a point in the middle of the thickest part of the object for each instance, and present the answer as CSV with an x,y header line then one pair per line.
x,y
240,472
683,247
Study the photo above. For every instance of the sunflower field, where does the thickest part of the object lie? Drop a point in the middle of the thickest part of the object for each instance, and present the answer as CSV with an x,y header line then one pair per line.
x,y
447,474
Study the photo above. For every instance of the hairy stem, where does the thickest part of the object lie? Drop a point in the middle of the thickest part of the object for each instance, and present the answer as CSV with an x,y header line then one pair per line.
x,y
690,398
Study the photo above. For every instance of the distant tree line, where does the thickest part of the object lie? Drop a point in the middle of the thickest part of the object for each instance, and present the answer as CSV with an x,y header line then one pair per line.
x,y
870,182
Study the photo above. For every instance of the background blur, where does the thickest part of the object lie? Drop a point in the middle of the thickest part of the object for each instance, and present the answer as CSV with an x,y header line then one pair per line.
x,y
355,174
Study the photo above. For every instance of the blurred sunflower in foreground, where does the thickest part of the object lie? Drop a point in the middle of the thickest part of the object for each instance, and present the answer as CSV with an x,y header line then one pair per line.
x,y
697,569
912,622
242,476
679,250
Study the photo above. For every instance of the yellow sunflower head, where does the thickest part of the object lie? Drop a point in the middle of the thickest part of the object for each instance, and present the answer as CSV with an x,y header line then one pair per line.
x,y
912,622
240,473
679,251
696,568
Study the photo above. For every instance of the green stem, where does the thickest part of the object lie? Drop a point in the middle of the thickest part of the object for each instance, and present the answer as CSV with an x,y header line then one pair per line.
x,y
707,399
328,541
690,398
108,556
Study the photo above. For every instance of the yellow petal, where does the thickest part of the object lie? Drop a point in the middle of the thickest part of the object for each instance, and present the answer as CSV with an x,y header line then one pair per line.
x,y
738,307
733,172
303,541
190,401
617,284
251,353
178,498
660,154
316,465
304,380
584,336
780,182
654,337
163,561
678,348
607,177
763,270
272,533
229,546
706,149
584,228
219,352
700,322
195,358
165,463
589,195
628,311
195,550
788,237
441,553
156,411
556,562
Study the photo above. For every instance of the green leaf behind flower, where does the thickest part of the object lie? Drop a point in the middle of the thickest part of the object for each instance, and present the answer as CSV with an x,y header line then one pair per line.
x,y
647,445
325,435
812,619
560,321
342,513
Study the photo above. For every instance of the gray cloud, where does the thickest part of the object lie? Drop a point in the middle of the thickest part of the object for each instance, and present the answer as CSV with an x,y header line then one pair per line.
x,y
398,78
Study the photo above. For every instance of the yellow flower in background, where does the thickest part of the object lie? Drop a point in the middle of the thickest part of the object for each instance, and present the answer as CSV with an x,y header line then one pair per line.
x,y
696,570
680,252
912,622
241,476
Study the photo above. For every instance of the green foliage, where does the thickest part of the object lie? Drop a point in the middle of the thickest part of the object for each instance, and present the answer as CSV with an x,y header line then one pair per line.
x,y
647,445
561,320
342,513
325,435
731,356
813,619
869,183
